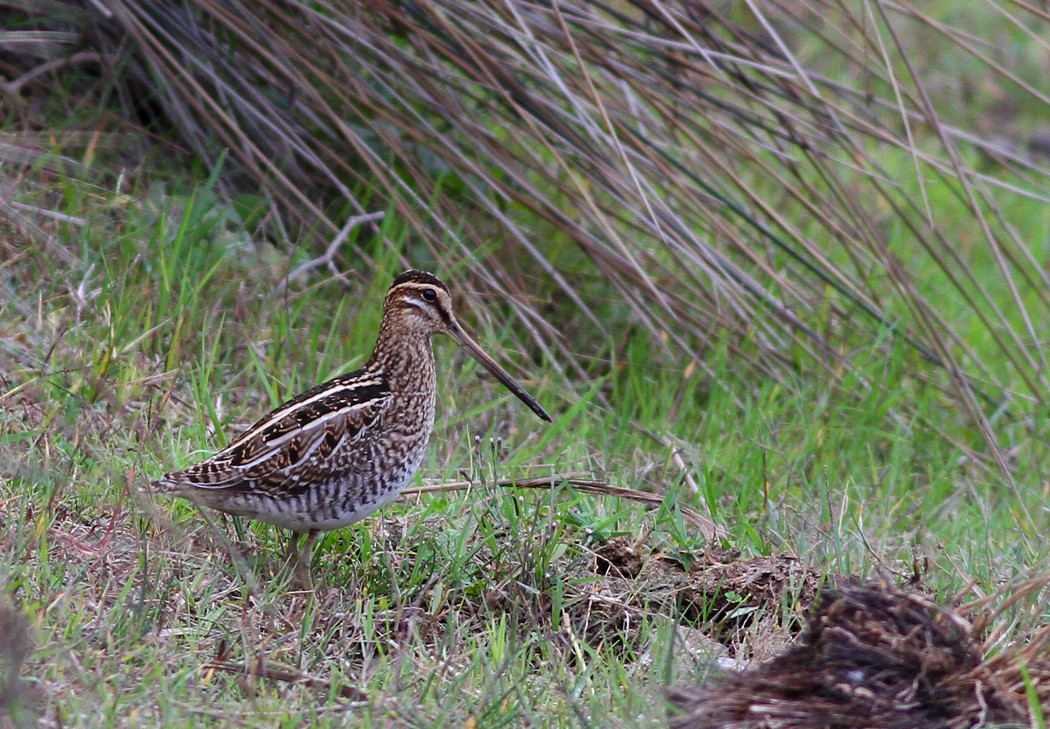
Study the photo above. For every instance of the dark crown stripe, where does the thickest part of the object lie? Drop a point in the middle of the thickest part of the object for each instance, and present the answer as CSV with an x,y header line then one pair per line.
x,y
420,278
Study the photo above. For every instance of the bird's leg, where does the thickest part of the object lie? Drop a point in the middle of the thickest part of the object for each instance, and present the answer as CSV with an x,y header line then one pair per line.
x,y
300,559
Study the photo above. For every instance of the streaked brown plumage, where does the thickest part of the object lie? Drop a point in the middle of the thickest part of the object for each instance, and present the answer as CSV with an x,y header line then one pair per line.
x,y
341,450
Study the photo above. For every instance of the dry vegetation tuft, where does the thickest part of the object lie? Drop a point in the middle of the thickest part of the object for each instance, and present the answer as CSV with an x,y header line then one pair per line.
x,y
874,656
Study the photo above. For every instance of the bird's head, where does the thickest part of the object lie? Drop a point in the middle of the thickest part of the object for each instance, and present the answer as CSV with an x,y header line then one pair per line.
x,y
419,302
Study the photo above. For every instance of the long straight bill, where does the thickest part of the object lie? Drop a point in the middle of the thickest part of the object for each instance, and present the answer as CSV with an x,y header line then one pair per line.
x,y
462,339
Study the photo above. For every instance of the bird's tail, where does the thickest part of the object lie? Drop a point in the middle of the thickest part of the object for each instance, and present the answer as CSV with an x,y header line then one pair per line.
x,y
161,486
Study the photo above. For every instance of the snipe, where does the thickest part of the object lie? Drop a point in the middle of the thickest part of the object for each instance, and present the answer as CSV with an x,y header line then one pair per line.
x,y
339,451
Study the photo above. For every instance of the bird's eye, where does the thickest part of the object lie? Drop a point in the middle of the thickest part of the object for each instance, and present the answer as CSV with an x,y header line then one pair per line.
x,y
430,295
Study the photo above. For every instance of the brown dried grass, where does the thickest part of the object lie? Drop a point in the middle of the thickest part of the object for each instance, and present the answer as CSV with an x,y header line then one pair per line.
x,y
719,175
878,657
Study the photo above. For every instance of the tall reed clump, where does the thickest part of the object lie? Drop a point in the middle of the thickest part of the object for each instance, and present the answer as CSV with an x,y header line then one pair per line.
x,y
800,180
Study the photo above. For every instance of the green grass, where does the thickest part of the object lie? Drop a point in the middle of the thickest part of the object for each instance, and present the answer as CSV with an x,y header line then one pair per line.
x,y
140,329
141,340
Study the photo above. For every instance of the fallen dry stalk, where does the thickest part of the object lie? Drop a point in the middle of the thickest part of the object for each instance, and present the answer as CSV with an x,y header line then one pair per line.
x,y
263,669
711,531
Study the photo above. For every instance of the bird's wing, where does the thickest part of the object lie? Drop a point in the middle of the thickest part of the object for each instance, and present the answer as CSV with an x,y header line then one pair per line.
x,y
291,448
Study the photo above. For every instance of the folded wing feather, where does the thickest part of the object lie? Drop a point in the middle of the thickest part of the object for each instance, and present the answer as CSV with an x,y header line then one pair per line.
x,y
295,446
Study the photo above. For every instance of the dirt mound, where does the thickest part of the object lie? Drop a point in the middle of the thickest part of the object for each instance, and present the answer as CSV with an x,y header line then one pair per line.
x,y
716,591
728,593
874,657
